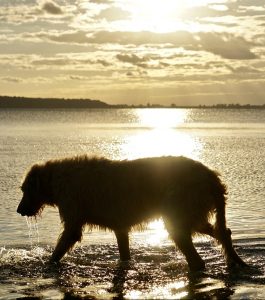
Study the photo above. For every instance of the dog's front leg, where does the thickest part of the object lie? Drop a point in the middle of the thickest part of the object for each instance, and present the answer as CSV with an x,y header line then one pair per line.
x,y
66,241
123,244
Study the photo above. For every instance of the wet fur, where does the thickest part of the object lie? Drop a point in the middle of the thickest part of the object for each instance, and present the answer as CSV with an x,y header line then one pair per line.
x,y
122,195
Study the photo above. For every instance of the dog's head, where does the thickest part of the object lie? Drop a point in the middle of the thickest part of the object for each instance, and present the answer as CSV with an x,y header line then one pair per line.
x,y
32,200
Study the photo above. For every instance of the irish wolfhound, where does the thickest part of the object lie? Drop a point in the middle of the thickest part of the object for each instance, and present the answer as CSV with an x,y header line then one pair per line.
x,y
121,195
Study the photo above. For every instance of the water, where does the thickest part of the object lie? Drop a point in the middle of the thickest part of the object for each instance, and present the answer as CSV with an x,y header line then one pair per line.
x,y
231,141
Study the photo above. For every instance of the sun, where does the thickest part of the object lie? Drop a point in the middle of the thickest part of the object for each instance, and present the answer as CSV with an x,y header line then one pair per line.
x,y
156,10
155,15
159,15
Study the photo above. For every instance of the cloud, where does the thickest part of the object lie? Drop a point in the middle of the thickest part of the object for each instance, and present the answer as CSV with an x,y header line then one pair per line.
x,y
71,37
113,14
51,61
131,58
78,77
51,7
245,70
11,79
226,45
179,38
101,1
136,74
72,62
102,62
223,44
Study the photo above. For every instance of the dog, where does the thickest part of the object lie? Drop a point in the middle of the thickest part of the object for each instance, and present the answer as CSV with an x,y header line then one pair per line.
x,y
127,194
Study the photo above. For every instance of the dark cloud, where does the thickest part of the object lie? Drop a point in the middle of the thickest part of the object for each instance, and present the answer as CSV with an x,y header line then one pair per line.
x,y
243,70
131,58
146,61
136,74
72,37
68,61
226,45
51,61
102,62
51,7
78,77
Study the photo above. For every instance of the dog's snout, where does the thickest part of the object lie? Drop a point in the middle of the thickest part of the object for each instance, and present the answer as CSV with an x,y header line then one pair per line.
x,y
20,209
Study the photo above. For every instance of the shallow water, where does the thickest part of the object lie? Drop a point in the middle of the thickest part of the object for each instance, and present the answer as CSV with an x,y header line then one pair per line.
x,y
156,272
231,141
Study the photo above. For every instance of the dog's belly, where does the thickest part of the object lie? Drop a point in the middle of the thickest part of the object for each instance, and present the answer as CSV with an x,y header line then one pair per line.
x,y
123,216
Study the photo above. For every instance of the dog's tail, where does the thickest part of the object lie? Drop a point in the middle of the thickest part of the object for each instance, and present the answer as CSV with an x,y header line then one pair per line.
x,y
222,233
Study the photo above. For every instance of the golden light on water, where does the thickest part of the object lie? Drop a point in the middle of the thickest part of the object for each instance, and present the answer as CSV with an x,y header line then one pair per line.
x,y
161,134
160,142
175,290
162,118
159,233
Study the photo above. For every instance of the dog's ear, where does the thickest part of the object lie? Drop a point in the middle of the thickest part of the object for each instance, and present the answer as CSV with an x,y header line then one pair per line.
x,y
40,181
32,181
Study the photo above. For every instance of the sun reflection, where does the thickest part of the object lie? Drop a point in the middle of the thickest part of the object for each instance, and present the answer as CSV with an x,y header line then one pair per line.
x,y
159,233
162,118
175,290
160,142
159,135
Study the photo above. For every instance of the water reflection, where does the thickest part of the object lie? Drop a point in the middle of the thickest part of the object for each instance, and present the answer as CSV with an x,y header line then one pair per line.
x,y
162,136
93,272
162,118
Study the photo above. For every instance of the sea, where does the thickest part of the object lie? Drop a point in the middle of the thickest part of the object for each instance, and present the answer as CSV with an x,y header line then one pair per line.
x,y
231,141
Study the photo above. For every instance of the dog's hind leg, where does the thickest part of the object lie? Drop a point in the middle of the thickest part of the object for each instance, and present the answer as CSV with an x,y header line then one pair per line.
x,y
123,244
183,240
66,241
223,236
184,243
208,229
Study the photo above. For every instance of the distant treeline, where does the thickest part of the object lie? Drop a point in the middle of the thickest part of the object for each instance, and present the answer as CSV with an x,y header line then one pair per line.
x,y
50,103
232,105
23,102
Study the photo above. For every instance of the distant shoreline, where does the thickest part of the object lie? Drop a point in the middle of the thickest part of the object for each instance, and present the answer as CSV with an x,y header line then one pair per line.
x,y
55,103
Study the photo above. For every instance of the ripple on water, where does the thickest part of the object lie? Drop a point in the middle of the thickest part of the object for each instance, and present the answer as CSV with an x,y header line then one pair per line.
x,y
155,272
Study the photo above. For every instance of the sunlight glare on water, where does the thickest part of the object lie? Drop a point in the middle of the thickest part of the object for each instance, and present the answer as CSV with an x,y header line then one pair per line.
x,y
159,233
163,136
162,118
174,290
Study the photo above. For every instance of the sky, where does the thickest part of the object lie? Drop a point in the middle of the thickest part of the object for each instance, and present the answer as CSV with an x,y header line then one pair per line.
x,y
183,52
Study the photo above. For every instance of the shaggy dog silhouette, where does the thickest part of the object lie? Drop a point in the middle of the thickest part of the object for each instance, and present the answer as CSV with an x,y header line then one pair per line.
x,y
127,194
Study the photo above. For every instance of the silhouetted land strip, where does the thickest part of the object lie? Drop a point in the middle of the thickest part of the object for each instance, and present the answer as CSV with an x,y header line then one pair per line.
x,y
53,103
23,102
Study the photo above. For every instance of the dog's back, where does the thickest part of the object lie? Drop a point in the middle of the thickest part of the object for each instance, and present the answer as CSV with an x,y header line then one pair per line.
x,y
126,193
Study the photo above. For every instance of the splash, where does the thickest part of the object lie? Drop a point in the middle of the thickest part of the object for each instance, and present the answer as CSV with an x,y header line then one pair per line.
x,y
156,272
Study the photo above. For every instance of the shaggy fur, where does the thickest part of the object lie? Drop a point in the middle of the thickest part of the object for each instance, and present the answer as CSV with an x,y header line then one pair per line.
x,y
121,195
